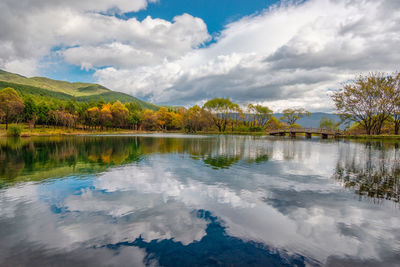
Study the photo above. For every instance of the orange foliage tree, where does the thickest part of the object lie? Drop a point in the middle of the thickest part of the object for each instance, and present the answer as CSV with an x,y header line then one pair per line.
x,y
11,104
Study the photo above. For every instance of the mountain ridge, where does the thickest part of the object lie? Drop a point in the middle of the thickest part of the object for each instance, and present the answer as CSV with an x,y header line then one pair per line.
x,y
65,90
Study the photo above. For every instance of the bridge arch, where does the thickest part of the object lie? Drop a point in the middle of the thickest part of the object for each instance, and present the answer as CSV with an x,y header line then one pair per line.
x,y
325,133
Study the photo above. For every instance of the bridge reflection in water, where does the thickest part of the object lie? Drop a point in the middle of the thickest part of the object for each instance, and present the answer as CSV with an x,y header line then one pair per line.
x,y
325,133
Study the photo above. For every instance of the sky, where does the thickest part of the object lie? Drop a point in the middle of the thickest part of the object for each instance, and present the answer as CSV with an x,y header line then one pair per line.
x,y
276,53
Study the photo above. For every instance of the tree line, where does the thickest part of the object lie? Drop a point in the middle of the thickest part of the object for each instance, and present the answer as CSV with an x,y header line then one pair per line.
x,y
218,114
370,103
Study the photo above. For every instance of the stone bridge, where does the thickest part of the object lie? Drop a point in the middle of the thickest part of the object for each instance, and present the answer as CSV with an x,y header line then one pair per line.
x,y
325,133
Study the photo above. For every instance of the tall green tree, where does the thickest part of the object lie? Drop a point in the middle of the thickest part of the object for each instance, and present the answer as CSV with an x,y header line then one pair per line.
x,y
30,112
30,109
100,103
261,114
135,116
221,108
70,107
43,113
328,123
133,107
290,115
11,104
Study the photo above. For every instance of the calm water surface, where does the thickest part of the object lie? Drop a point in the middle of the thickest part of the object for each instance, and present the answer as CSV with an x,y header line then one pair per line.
x,y
179,200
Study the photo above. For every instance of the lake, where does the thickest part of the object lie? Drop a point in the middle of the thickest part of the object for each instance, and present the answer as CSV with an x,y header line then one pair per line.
x,y
182,200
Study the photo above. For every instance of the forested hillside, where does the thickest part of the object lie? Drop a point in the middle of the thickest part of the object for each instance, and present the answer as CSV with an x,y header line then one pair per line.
x,y
40,88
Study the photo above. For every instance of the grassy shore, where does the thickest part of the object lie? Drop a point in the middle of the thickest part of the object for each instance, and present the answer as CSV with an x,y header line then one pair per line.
x,y
55,131
41,130
372,137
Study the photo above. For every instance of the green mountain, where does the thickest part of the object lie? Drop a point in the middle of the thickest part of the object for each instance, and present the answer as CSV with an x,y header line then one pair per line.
x,y
41,87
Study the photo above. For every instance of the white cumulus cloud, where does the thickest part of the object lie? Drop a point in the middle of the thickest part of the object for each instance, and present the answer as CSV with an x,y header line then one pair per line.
x,y
30,29
289,55
292,54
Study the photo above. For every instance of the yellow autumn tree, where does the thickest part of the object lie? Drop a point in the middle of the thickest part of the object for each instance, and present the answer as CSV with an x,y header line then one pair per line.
x,y
120,114
105,116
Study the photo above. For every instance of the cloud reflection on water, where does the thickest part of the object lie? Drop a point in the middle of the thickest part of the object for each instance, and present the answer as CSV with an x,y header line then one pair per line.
x,y
288,202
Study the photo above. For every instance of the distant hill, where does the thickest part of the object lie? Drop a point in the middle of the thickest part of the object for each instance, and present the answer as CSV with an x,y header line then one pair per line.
x,y
314,120
62,90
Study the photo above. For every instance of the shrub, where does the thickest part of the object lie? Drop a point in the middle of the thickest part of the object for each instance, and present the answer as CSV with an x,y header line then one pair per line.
x,y
255,129
295,125
241,128
14,130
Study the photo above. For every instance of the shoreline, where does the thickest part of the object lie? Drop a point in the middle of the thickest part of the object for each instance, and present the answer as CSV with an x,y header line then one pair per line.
x,y
59,131
71,132
371,137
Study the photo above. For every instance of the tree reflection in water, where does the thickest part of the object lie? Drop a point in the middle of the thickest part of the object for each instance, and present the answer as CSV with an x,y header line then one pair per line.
x,y
36,159
371,170
221,162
